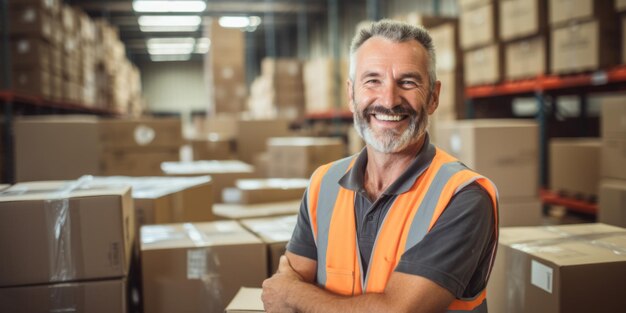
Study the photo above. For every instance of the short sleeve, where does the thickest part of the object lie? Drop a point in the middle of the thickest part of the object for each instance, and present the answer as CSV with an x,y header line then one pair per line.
x,y
302,242
456,253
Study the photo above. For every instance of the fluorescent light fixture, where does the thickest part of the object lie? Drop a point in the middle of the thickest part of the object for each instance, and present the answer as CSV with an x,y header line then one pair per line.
x,y
169,20
181,45
202,45
169,6
169,29
170,57
239,21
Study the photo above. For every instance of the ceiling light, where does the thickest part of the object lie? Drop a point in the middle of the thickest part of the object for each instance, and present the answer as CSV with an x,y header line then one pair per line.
x,y
170,58
202,45
169,29
169,6
169,20
239,21
184,45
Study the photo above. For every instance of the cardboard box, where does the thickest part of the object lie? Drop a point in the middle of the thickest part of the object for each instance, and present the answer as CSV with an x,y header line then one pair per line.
x,y
483,66
451,97
613,158
612,202
72,233
247,300
527,58
253,191
162,200
575,165
275,232
613,115
522,18
31,53
563,11
243,211
32,82
253,134
212,147
292,157
620,5
572,268
141,132
478,26
582,46
465,5
520,212
42,142
446,40
31,20
504,150
198,267
137,162
224,173
107,296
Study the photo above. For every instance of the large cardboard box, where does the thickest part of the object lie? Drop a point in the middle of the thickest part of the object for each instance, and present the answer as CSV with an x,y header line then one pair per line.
x,y
31,20
198,267
243,211
61,231
42,145
450,96
162,200
582,46
613,158
575,165
613,115
212,147
612,202
483,66
504,150
253,134
292,157
32,82
105,296
223,173
520,212
142,132
275,232
478,26
253,191
526,58
572,268
563,11
137,162
522,18
446,40
31,53
247,300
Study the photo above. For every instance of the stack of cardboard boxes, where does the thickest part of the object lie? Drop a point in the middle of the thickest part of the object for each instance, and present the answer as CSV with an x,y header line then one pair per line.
x,y
279,90
612,197
69,248
299,157
226,68
322,86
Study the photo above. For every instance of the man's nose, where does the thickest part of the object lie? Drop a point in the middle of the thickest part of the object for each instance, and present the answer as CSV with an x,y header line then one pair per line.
x,y
390,96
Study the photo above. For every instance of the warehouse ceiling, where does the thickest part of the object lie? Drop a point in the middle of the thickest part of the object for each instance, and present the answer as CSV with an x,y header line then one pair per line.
x,y
273,15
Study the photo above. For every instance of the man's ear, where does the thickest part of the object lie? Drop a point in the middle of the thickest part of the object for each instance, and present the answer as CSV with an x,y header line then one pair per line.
x,y
434,98
350,93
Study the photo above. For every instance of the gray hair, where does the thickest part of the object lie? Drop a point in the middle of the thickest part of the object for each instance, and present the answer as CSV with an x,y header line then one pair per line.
x,y
396,32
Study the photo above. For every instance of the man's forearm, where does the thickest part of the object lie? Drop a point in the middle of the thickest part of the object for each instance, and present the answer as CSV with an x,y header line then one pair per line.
x,y
308,298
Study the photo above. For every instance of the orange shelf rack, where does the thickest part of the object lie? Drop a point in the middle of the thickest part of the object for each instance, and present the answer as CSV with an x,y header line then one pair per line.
x,y
548,82
576,205
10,96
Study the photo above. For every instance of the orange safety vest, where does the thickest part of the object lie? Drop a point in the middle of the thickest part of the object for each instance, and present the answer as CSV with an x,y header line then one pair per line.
x,y
411,216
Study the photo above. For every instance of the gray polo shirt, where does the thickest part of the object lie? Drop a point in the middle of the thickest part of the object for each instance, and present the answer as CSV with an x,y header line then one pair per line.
x,y
456,252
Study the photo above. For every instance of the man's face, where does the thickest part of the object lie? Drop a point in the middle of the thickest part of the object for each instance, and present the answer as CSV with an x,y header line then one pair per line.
x,y
390,94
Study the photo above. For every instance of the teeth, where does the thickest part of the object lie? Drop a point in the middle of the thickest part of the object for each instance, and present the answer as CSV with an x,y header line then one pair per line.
x,y
383,117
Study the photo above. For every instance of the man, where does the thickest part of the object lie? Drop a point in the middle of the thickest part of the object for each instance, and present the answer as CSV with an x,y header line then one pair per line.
x,y
402,226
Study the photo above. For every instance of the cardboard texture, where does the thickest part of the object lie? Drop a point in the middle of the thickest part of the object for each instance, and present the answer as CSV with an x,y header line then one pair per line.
x,y
212,147
253,191
613,115
614,158
503,150
450,96
275,232
527,58
71,235
483,65
446,40
572,268
253,134
293,157
247,300
581,46
32,82
140,162
108,296
612,202
144,132
30,20
243,211
520,212
464,5
31,52
198,267
478,26
563,11
223,173
522,18
575,165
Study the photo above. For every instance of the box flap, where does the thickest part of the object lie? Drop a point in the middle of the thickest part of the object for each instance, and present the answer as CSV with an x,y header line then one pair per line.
x,y
59,189
152,187
272,229
246,300
241,211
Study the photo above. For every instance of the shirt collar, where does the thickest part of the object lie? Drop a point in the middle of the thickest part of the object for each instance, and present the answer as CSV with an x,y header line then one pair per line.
x,y
354,178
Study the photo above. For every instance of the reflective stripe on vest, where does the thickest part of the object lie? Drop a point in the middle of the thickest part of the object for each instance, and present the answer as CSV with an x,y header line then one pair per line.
x,y
408,220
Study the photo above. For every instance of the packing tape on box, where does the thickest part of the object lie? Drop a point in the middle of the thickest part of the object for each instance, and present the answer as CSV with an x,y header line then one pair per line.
x,y
204,265
594,239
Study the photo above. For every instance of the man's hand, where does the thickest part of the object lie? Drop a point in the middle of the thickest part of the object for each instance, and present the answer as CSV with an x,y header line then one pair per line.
x,y
276,288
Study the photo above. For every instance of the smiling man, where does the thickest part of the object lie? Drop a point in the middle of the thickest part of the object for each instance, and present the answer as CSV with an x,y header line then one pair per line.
x,y
402,226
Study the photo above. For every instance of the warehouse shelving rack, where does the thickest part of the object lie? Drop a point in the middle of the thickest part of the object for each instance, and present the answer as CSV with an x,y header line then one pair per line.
x,y
541,88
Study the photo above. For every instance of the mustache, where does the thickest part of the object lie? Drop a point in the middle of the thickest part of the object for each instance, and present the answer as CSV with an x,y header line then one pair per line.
x,y
399,109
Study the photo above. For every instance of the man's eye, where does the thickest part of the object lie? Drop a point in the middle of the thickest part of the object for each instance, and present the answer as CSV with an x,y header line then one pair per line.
x,y
372,81
408,83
